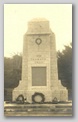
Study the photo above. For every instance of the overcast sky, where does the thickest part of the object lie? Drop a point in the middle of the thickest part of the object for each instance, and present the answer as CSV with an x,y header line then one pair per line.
x,y
16,17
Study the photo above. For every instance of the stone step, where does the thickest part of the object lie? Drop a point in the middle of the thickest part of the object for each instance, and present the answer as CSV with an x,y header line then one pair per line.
x,y
38,108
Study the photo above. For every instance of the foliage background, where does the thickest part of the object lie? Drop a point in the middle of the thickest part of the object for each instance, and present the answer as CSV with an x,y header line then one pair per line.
x,y
13,70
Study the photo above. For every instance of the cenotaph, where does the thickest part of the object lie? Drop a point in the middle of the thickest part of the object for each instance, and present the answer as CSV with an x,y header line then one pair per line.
x,y
39,66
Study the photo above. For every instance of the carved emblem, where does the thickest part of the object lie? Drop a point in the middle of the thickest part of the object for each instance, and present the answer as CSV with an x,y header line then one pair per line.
x,y
38,41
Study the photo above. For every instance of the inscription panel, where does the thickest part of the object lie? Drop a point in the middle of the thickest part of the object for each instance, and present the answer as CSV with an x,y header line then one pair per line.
x,y
38,76
38,58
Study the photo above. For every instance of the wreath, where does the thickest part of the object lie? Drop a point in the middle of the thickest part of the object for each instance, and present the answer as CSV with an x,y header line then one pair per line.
x,y
38,94
55,100
20,99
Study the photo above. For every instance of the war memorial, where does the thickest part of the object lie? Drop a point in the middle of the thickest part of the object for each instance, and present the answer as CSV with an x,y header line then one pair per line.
x,y
40,92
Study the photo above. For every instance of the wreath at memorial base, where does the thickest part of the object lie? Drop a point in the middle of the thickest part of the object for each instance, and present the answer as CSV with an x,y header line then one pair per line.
x,y
20,99
55,100
36,95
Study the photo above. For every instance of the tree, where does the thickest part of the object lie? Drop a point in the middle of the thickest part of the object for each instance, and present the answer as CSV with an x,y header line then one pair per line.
x,y
12,71
65,66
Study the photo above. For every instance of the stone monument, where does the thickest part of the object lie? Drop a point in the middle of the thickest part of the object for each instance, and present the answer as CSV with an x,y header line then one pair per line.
x,y
39,65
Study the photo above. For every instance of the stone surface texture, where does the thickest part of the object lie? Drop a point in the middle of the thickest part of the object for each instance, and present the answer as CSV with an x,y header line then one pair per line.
x,y
38,53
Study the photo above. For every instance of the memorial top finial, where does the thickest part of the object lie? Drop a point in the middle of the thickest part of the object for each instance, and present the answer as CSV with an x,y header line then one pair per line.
x,y
38,26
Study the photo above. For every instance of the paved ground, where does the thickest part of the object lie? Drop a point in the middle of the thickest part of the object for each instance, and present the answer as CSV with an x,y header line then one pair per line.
x,y
38,109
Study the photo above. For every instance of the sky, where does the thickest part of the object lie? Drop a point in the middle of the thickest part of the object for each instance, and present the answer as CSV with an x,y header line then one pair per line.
x,y
17,16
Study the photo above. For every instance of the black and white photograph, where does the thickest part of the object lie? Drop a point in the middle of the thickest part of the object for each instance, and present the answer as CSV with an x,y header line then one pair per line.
x,y
38,60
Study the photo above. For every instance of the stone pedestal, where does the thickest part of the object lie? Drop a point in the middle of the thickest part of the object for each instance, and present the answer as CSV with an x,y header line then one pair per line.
x,y
39,65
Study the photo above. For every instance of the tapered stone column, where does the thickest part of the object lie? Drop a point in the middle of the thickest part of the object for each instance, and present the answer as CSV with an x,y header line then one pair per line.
x,y
39,65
